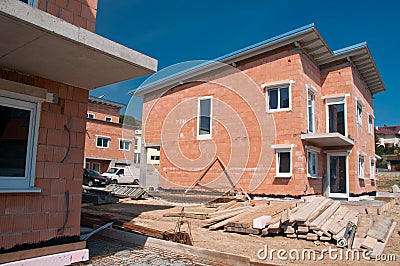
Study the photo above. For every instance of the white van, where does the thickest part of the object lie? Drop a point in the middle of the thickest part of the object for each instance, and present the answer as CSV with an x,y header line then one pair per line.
x,y
123,175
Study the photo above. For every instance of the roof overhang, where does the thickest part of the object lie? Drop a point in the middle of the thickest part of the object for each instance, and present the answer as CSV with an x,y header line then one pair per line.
x,y
39,44
306,38
106,102
328,139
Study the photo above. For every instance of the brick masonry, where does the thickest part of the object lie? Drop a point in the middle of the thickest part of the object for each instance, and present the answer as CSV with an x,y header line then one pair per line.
x,y
36,217
228,136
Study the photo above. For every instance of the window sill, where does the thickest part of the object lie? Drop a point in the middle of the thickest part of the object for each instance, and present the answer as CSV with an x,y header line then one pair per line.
x,y
279,110
204,137
314,177
283,176
102,147
21,190
363,178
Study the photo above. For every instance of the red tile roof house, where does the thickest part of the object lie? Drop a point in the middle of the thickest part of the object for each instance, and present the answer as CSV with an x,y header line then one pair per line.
x,y
389,137
108,142
48,65
287,116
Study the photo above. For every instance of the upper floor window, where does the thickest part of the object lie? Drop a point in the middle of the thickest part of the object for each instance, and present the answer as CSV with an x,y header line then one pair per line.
x,y
359,112
124,145
90,115
108,118
204,121
155,157
370,125
310,108
278,98
336,119
102,142
360,166
136,143
18,141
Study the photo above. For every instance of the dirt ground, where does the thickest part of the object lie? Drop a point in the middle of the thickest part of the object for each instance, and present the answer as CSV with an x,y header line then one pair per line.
x,y
150,212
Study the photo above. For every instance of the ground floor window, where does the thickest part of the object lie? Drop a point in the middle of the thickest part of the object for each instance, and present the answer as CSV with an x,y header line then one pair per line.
x,y
136,158
312,163
87,165
361,166
372,169
283,162
18,141
96,167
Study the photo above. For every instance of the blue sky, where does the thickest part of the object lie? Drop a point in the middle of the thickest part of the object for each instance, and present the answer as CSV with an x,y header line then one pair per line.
x,y
178,31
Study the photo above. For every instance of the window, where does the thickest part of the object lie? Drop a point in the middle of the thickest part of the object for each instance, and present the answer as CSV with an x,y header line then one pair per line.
x,y
154,157
359,113
204,118
120,172
360,166
312,163
136,143
33,3
278,98
108,119
124,145
18,141
87,165
91,116
283,163
372,169
370,125
310,105
103,142
336,111
96,167
136,158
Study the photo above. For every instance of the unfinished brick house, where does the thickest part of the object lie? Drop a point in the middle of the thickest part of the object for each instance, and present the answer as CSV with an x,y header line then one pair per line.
x,y
287,116
108,142
48,66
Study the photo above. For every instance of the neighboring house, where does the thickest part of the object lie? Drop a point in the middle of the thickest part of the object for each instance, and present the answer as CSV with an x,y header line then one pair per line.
x,y
287,116
152,154
48,66
108,142
388,136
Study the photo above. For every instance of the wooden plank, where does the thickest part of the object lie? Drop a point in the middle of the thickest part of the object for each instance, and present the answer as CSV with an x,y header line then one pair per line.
x,y
312,237
369,243
302,229
221,218
325,238
226,205
380,228
305,211
218,213
363,225
317,223
319,210
335,228
38,252
378,250
144,230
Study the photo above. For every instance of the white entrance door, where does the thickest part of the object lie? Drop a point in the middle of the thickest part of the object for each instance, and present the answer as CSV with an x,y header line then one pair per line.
x,y
338,176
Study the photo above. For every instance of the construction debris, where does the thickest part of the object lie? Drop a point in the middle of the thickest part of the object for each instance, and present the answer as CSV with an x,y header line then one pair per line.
x,y
123,191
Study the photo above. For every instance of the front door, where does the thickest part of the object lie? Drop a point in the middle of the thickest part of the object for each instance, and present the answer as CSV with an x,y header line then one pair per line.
x,y
338,183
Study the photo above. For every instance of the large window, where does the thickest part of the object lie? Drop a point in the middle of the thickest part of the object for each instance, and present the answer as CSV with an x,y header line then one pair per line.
x,y
102,142
278,98
283,162
336,116
370,125
18,137
360,166
124,144
204,118
310,106
312,164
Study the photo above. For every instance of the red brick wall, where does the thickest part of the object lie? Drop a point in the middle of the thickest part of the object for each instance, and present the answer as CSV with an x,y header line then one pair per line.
x,y
115,131
35,217
102,111
283,65
81,13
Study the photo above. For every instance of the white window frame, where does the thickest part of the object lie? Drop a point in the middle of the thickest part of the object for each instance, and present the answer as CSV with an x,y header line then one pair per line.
x,y
359,111
372,165
311,91
277,159
336,99
361,169
314,151
278,85
104,137
136,144
91,114
108,119
125,141
370,124
26,183
204,136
